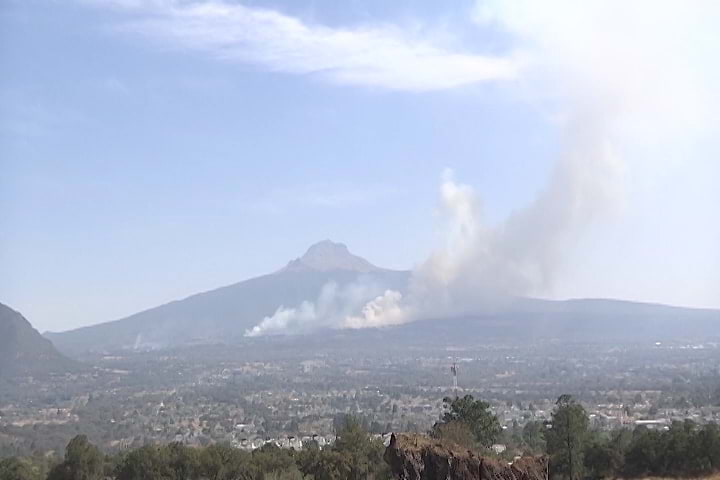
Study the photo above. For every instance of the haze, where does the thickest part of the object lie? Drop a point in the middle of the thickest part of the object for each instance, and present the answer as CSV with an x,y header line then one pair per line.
x,y
150,150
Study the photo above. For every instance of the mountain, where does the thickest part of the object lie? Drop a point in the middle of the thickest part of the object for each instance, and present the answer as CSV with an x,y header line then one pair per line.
x,y
585,320
224,314
23,351
328,256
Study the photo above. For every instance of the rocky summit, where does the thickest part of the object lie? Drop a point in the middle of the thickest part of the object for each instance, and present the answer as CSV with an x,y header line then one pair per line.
x,y
419,457
327,256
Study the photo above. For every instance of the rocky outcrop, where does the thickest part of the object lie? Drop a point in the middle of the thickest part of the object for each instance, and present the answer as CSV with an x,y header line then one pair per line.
x,y
327,256
419,457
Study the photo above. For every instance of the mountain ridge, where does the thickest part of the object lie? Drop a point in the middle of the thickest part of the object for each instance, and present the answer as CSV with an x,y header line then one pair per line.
x,y
24,351
224,314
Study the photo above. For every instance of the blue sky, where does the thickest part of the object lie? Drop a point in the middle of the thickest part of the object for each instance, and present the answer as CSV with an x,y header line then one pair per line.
x,y
153,149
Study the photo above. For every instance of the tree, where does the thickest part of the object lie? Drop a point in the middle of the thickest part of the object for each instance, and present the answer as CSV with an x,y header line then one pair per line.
x,y
223,462
324,464
709,439
145,463
644,454
602,459
566,437
475,414
83,461
15,469
365,454
183,461
533,435
271,458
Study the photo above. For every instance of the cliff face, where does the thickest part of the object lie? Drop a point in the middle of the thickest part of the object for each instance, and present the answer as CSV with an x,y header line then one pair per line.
x,y
418,457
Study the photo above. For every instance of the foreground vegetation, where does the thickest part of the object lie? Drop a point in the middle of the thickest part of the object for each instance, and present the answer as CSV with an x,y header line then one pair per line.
x,y
685,449
576,452
355,455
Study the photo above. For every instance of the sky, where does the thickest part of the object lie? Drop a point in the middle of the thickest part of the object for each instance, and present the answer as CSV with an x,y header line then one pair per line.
x,y
152,149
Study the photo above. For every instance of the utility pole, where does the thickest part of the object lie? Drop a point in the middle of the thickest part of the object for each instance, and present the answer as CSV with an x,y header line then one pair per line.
x,y
453,369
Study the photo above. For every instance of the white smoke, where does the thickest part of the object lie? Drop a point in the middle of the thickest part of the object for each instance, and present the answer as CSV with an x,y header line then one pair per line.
x,y
614,77
333,306
483,267
382,311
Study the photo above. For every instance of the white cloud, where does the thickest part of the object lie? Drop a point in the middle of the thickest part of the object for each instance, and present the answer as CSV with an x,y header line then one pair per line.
x,y
650,62
383,56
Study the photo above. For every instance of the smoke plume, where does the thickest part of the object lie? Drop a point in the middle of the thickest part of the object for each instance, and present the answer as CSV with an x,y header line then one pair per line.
x,y
608,94
483,267
333,306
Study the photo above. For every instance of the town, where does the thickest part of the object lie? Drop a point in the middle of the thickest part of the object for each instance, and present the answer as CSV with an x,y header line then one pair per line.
x,y
199,396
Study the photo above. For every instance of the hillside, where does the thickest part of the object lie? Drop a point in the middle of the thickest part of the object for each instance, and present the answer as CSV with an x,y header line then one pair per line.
x,y
23,351
224,314
586,320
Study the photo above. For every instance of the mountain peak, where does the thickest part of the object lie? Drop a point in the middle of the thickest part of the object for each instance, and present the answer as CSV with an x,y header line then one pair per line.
x,y
328,255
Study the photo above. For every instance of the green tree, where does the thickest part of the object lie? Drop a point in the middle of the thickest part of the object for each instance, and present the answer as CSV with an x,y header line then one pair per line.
x,y
293,474
644,455
83,461
271,458
325,464
365,454
602,459
145,463
533,435
709,441
223,462
475,414
16,469
183,462
566,437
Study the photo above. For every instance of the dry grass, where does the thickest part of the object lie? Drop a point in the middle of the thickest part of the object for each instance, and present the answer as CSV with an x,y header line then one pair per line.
x,y
715,476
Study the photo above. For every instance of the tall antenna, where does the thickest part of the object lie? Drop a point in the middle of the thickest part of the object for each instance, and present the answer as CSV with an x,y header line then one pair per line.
x,y
454,371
